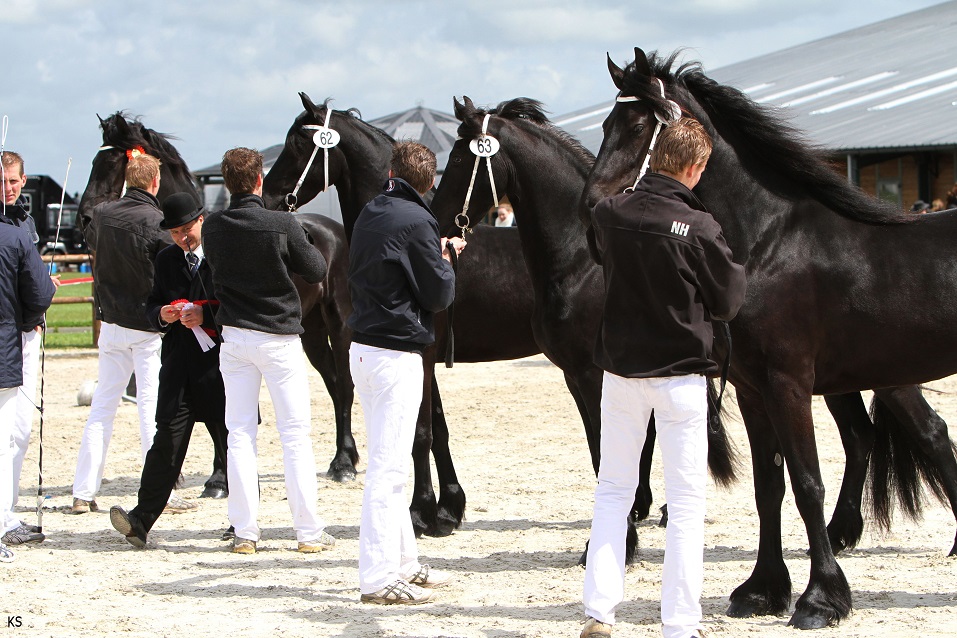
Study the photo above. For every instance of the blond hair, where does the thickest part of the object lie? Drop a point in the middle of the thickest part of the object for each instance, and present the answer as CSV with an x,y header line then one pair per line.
x,y
681,145
11,159
241,168
141,170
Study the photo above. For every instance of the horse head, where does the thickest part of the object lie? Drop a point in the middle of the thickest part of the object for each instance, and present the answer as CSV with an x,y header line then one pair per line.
x,y
479,169
646,100
108,175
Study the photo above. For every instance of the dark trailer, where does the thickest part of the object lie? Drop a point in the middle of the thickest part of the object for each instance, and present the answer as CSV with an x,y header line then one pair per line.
x,y
42,195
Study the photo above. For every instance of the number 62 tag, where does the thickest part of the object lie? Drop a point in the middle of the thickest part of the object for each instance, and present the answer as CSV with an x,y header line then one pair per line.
x,y
484,146
325,137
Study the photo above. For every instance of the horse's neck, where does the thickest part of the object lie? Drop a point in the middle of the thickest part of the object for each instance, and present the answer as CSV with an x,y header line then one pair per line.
x,y
551,184
367,158
176,180
744,208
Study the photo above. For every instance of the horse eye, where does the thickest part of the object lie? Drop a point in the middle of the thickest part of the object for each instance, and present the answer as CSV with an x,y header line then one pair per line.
x,y
638,129
456,160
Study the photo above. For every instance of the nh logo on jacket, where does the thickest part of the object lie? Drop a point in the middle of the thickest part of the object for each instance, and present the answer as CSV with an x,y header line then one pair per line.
x,y
680,229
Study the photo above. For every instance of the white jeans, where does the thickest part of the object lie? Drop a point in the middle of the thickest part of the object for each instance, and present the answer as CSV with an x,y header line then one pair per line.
x,y
248,357
26,405
389,385
680,405
8,411
122,352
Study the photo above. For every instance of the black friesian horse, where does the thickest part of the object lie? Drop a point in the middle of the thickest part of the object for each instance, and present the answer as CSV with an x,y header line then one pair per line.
x,y
542,171
358,167
325,306
835,283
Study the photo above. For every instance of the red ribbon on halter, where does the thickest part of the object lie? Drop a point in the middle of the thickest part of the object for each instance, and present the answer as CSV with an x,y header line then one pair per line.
x,y
136,151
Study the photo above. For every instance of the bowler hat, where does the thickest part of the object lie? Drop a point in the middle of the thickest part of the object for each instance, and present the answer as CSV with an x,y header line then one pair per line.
x,y
178,210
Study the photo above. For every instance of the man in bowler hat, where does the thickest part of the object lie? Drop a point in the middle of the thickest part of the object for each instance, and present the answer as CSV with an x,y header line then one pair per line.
x,y
181,305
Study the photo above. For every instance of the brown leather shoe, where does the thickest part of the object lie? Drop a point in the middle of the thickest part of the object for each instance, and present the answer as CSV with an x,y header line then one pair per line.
x,y
596,629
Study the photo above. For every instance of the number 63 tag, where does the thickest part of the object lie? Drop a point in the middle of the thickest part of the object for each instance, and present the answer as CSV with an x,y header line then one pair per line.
x,y
325,137
484,146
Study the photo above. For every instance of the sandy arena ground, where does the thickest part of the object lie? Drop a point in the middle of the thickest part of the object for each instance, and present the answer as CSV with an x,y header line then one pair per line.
x,y
522,459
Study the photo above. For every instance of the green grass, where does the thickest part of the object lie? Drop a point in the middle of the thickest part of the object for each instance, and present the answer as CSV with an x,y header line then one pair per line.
x,y
74,315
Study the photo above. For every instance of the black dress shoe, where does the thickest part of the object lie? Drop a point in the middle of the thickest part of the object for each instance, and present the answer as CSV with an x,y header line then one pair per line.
x,y
129,526
212,491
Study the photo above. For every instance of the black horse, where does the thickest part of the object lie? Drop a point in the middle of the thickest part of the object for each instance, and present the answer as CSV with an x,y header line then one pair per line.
x,y
835,283
358,166
542,171
325,306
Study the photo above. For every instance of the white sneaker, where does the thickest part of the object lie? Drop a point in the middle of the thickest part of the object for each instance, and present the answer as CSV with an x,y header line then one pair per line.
x,y
430,578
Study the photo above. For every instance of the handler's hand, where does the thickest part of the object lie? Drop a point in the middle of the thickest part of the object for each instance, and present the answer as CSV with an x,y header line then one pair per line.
x,y
192,317
169,314
457,243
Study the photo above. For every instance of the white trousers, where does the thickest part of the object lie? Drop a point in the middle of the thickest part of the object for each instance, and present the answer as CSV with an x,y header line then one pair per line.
x,y
26,405
248,357
122,352
680,405
8,411
389,385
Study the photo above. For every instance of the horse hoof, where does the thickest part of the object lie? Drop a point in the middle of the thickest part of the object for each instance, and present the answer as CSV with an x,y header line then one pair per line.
x,y
806,620
214,492
748,607
341,476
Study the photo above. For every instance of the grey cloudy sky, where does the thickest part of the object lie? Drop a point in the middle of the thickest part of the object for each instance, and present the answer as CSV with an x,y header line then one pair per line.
x,y
224,74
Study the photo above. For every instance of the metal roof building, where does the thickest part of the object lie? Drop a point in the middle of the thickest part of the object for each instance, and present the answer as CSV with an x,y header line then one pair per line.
x,y
883,97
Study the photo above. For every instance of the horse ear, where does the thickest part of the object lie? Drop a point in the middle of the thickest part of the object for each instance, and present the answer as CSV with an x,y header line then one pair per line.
x,y
307,103
617,74
461,109
641,63
123,126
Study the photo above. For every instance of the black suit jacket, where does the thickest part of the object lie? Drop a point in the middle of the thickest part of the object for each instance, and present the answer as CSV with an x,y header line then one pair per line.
x,y
187,372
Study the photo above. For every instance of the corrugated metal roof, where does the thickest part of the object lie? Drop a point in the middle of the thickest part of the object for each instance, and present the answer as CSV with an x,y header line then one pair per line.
x,y
890,84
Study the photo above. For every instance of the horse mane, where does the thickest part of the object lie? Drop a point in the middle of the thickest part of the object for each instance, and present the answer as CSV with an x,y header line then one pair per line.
x,y
354,113
137,134
769,148
523,108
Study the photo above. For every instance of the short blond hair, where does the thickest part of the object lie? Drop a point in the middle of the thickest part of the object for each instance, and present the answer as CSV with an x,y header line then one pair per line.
x,y
11,159
141,170
681,145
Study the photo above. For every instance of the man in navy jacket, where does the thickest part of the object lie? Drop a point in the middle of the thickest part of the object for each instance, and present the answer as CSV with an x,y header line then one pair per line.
x,y
400,275
26,291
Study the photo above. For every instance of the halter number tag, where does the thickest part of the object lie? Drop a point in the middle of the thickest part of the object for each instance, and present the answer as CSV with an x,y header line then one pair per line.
x,y
484,146
325,137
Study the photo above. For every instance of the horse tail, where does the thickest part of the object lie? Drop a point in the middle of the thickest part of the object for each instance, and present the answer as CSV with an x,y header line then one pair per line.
x,y
723,457
899,467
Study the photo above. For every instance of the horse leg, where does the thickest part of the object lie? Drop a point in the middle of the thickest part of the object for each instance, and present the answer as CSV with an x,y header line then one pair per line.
x,y
768,590
451,509
423,509
926,450
857,437
338,382
827,598
643,496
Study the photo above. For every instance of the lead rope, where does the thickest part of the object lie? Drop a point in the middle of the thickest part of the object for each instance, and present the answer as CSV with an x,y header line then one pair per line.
x,y
43,360
291,198
450,341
